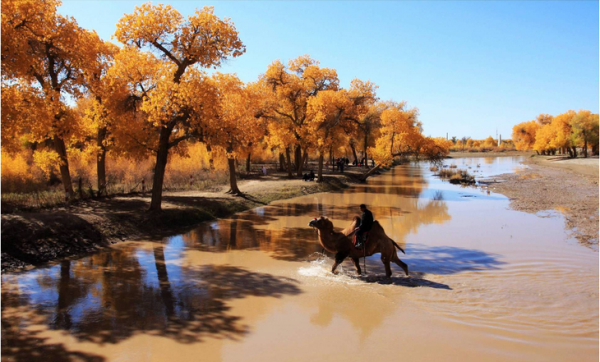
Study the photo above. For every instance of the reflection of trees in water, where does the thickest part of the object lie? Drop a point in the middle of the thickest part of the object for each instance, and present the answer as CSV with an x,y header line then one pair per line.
x,y
109,296
163,280
22,344
286,243
131,291
275,229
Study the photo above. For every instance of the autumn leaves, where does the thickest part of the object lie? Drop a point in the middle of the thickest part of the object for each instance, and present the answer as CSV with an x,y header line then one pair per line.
x,y
564,133
65,88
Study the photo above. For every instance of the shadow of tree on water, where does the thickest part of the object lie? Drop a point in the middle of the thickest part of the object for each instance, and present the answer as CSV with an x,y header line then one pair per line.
x,y
27,345
20,344
124,294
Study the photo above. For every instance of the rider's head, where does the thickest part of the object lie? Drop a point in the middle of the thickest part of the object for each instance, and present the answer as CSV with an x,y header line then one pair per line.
x,y
363,207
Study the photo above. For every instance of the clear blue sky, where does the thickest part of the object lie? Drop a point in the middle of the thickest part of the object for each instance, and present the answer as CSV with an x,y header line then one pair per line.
x,y
470,67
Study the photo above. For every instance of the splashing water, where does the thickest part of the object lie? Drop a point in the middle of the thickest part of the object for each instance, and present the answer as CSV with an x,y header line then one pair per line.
x,y
320,269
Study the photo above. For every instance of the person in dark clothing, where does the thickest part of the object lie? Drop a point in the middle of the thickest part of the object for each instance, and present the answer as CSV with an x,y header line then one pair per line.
x,y
366,222
309,176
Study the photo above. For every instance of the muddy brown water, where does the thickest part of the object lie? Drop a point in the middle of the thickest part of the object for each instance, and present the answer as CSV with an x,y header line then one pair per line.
x,y
486,283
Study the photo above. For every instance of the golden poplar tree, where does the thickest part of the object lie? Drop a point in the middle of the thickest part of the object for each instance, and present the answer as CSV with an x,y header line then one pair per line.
x,y
43,59
292,88
237,123
172,50
524,135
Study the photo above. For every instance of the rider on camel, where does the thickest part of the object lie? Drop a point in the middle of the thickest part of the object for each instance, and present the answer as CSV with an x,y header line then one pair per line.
x,y
366,222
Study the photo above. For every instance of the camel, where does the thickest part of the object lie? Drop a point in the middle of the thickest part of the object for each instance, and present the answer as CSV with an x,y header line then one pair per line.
x,y
343,247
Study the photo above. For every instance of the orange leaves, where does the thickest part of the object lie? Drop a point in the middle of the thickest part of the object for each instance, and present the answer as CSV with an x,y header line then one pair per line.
x,y
202,39
148,24
291,90
584,129
400,135
208,39
564,131
524,135
327,114
170,91
237,123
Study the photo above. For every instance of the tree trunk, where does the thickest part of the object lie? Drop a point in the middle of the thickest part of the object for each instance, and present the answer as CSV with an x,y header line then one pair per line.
x,y
354,152
281,162
248,162
304,160
101,161
585,150
159,169
320,170
289,162
574,152
366,155
59,147
211,162
331,158
80,188
370,172
232,179
299,161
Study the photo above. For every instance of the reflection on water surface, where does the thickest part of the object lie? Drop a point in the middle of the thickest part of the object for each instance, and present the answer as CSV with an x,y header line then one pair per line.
x,y
491,283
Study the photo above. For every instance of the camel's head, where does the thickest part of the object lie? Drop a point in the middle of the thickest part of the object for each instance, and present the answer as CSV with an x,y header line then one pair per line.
x,y
321,223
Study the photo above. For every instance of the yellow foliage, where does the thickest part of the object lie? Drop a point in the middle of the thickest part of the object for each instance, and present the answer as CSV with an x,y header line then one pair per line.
x,y
490,142
524,135
47,161
16,171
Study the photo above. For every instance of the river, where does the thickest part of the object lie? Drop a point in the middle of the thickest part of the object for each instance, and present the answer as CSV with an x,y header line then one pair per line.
x,y
486,283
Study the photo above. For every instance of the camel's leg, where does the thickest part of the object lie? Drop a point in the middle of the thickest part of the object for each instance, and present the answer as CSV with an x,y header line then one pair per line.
x,y
339,258
402,265
357,265
386,263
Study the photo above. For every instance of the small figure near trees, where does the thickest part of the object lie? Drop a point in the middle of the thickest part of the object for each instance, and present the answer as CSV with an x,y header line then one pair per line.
x,y
309,176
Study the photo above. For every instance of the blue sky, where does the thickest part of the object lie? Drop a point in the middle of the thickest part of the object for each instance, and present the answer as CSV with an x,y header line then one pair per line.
x,y
470,67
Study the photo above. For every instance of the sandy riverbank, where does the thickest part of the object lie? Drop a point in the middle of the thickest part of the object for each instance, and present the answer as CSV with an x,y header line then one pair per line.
x,y
569,186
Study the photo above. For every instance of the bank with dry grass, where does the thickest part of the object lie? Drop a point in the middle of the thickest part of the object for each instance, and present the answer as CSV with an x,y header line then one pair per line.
x,y
37,236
